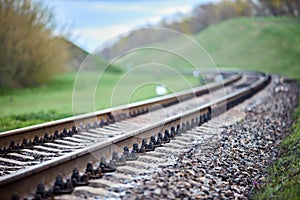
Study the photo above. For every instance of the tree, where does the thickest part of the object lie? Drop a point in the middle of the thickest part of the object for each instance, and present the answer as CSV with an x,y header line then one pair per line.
x,y
280,7
29,52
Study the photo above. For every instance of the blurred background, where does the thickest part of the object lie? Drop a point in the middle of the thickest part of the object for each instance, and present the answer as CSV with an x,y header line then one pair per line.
x,y
43,44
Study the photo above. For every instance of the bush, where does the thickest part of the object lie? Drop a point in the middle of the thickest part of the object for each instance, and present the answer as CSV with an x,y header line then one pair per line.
x,y
29,52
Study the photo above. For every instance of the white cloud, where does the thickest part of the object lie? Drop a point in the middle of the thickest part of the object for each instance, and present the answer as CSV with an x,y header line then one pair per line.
x,y
151,9
174,9
109,7
94,37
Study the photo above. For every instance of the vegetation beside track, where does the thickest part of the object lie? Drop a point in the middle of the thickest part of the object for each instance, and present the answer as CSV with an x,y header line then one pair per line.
x,y
30,54
24,107
269,44
283,180
23,120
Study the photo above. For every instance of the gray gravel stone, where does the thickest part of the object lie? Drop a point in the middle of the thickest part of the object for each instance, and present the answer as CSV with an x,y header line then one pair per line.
x,y
232,164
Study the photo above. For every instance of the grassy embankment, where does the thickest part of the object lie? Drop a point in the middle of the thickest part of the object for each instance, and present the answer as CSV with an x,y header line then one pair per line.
x,y
265,44
284,174
23,107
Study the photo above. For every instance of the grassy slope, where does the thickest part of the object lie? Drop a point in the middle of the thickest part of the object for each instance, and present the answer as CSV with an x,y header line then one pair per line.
x,y
268,44
284,174
264,44
23,107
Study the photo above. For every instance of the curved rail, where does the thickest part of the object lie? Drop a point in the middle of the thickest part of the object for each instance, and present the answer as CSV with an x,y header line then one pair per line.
x,y
26,180
108,115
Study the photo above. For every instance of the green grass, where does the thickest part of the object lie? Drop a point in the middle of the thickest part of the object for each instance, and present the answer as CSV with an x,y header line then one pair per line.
x,y
265,44
284,175
22,120
23,107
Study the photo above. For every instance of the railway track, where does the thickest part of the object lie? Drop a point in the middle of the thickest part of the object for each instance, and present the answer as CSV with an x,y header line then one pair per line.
x,y
35,155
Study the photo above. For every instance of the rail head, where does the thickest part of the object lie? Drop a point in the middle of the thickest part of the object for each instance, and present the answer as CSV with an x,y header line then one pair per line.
x,y
110,111
90,149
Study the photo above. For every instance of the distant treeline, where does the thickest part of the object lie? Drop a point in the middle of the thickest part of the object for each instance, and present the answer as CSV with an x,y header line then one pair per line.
x,y
203,16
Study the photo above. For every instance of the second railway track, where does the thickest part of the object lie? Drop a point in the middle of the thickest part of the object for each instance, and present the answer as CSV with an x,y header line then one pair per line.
x,y
39,158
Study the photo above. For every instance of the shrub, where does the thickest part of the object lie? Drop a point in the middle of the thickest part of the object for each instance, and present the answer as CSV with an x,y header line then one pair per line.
x,y
29,52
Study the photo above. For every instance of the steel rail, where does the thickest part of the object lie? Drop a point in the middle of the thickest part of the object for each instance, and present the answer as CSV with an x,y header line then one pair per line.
x,y
25,181
116,113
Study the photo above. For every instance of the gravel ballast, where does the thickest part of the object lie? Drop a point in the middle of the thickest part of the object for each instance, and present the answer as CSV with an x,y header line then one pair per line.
x,y
225,158
232,165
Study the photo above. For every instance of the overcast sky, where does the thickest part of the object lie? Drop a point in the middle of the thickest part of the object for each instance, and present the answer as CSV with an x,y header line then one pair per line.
x,y
92,22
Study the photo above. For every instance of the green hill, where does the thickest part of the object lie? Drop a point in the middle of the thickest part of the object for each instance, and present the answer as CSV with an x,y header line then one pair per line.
x,y
79,57
267,44
76,54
